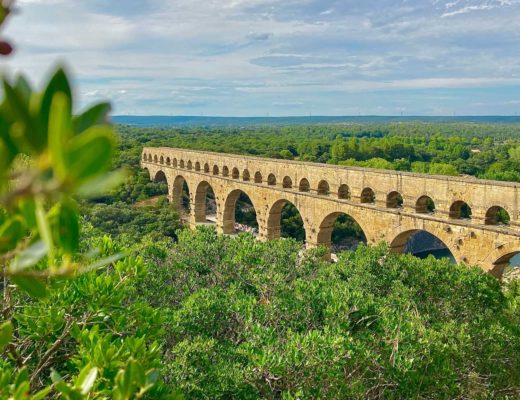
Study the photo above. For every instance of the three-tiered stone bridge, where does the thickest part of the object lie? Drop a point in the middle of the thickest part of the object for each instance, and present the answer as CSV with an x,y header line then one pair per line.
x,y
388,205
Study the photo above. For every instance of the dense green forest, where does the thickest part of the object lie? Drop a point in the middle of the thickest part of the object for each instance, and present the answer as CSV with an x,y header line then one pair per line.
x,y
490,151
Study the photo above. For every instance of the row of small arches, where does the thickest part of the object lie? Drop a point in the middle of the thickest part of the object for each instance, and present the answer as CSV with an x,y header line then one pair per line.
x,y
495,215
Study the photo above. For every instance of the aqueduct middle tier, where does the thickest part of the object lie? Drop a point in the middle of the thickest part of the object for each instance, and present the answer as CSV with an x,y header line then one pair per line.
x,y
478,220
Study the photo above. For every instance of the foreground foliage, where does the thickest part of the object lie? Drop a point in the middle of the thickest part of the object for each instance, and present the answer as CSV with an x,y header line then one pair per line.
x,y
245,319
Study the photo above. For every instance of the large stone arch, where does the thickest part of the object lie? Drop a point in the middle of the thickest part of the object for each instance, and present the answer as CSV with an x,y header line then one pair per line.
x,y
160,176
399,242
501,256
176,193
228,212
326,227
199,213
273,227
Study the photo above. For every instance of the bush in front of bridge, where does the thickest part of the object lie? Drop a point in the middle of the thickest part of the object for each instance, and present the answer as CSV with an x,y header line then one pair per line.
x,y
259,320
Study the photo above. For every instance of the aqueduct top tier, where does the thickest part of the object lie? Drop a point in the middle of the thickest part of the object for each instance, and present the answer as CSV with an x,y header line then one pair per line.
x,y
445,191
468,214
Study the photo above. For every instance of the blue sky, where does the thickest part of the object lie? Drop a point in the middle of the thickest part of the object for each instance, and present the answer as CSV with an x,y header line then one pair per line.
x,y
279,57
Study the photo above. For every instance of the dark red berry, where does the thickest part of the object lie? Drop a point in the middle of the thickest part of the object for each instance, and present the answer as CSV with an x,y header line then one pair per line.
x,y
5,48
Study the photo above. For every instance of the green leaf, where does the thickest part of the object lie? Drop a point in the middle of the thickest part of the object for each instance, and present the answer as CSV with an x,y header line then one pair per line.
x,y
42,394
90,153
59,132
17,111
95,115
33,286
24,89
102,263
29,257
59,83
68,226
21,377
86,379
27,209
10,233
21,391
103,184
8,148
6,334
55,376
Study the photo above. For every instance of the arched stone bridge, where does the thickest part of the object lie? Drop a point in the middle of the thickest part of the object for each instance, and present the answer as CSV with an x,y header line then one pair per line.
x,y
388,205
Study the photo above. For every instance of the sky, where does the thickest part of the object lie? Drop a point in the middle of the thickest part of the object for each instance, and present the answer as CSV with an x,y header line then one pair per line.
x,y
277,57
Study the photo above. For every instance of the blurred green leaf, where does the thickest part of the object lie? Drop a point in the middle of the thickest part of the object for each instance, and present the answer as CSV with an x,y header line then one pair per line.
x,y
29,257
10,233
33,286
86,379
8,148
102,263
27,209
90,153
93,116
67,225
59,132
103,184
6,334
42,394
59,83
23,88
23,130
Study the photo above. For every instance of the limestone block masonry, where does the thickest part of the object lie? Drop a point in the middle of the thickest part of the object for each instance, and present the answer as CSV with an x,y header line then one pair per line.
x,y
388,205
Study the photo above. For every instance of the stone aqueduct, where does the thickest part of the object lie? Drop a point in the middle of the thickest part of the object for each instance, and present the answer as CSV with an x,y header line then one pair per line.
x,y
388,205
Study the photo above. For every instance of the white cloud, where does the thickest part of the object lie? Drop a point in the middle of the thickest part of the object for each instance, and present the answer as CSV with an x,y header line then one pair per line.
x,y
241,56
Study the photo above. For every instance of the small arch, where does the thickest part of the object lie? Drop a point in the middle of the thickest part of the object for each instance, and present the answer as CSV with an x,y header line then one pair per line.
x,y
421,244
161,160
304,185
368,196
181,164
190,165
497,215
235,174
285,221
168,161
344,192
323,188
245,176
155,159
175,163
271,180
197,166
506,264
239,214
460,210
145,157
215,170
394,200
149,157
287,183
206,168
258,177
225,171
425,205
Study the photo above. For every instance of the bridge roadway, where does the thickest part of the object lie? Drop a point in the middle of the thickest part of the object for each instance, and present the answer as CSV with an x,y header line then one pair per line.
x,y
388,205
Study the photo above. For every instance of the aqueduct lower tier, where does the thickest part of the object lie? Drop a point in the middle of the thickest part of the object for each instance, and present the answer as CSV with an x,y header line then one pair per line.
x,y
465,213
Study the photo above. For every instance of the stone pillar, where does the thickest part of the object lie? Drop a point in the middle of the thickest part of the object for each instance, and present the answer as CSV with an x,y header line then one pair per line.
x,y
199,207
